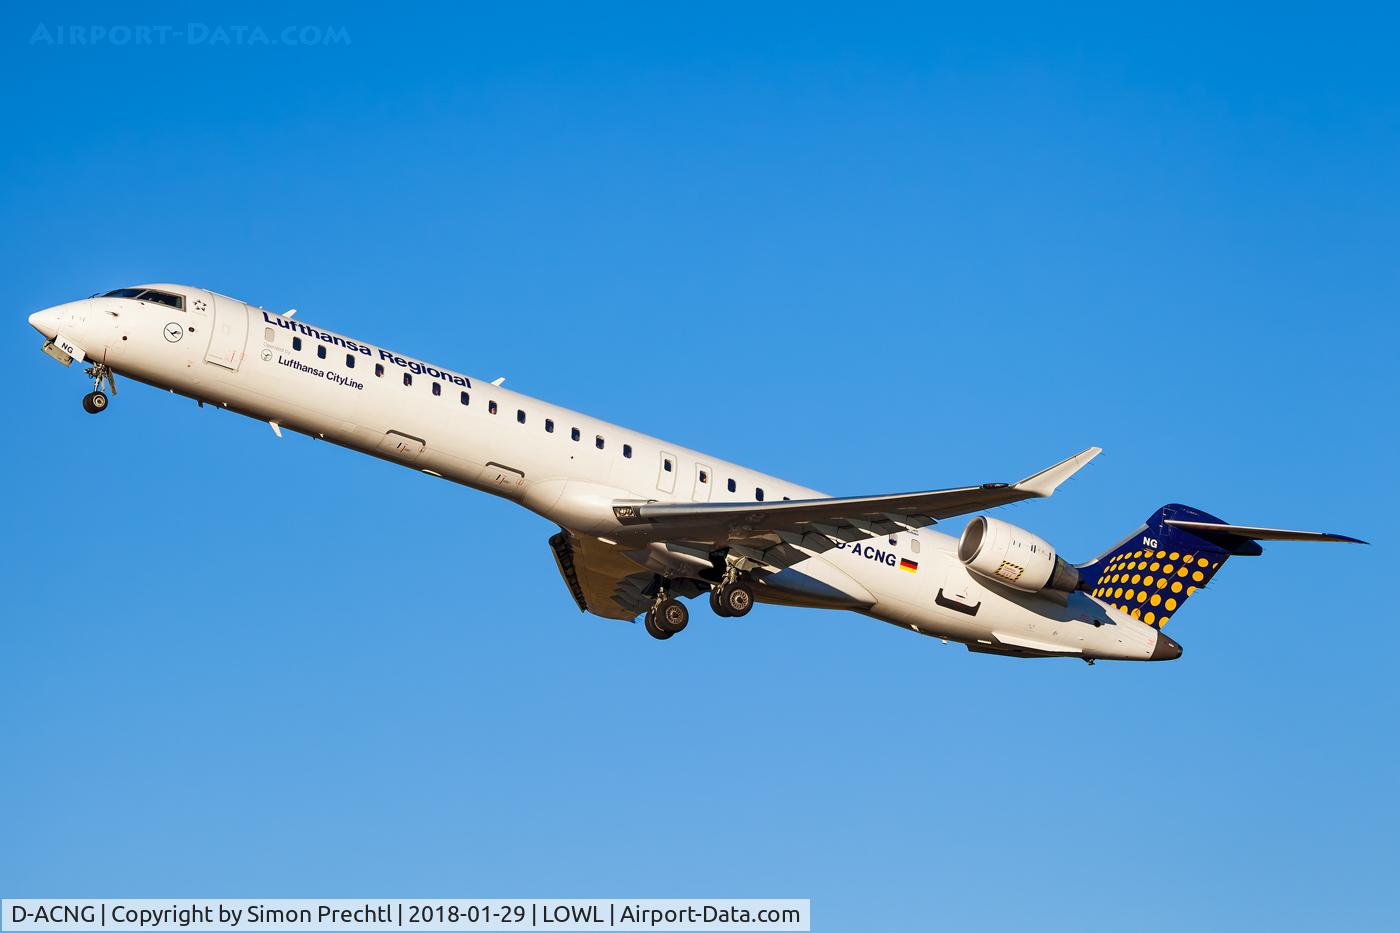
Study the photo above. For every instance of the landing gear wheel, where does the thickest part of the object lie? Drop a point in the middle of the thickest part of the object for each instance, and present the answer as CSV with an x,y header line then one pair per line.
x,y
736,599
717,604
672,616
653,628
95,402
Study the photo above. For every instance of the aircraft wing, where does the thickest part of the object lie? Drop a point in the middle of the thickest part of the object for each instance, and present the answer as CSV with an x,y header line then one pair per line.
x,y
770,532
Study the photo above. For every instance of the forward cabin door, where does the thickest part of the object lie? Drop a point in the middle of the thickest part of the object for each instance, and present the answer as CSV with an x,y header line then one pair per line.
x,y
230,333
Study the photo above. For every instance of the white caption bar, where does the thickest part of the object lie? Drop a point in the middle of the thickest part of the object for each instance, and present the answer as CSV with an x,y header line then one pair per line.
x,y
187,916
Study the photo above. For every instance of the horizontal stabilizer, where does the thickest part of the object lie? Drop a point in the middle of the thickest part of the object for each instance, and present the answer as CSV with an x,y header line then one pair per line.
x,y
1260,534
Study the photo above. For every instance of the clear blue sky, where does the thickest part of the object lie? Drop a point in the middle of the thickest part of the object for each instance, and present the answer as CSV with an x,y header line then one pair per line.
x,y
870,250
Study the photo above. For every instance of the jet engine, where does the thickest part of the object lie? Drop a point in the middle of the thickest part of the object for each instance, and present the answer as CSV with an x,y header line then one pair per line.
x,y
1016,558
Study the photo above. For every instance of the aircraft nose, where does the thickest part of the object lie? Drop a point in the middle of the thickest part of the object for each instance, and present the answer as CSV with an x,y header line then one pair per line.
x,y
45,322
1166,649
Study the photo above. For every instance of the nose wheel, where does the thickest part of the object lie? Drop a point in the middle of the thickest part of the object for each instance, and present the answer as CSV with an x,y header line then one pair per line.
x,y
96,400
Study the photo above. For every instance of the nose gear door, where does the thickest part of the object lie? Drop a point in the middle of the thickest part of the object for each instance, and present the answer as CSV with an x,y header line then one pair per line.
x,y
230,333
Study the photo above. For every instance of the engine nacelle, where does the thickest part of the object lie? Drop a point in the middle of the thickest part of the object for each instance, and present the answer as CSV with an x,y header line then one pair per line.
x,y
1013,556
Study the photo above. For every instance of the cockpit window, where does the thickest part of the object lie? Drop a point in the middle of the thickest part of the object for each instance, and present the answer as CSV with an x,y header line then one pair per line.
x,y
149,294
165,298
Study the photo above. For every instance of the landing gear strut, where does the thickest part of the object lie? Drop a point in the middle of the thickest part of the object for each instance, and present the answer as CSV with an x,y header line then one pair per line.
x,y
666,617
96,400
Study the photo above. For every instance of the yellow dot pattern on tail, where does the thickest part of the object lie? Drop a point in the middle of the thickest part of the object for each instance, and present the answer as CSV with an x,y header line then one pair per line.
x,y
1136,581
1153,571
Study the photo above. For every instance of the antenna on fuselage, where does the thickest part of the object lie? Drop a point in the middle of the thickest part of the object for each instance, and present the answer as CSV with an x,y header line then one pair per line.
x,y
498,380
290,312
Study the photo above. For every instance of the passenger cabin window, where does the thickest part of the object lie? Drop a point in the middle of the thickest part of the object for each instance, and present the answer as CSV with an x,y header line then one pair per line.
x,y
466,399
733,486
268,335
548,426
704,477
520,415
758,494
914,545
491,407
149,294
320,351
296,343
408,379
379,369
666,464
598,442
350,360
437,388
574,433
627,451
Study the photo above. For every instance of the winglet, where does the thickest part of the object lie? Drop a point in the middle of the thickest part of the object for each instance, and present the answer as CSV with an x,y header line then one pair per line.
x,y
1046,481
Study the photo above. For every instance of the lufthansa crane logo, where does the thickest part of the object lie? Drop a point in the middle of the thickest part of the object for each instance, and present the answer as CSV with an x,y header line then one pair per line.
x,y
173,332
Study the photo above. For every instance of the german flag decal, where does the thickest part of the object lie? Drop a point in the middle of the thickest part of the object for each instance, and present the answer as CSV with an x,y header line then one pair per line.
x,y
910,565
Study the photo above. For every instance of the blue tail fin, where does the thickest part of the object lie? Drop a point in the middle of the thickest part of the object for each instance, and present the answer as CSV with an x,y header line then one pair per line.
x,y
1153,571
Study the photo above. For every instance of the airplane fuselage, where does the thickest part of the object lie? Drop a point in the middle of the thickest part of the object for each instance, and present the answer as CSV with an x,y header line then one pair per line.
x,y
568,467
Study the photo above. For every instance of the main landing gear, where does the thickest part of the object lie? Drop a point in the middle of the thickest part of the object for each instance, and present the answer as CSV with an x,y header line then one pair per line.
x,y
731,600
666,617
96,400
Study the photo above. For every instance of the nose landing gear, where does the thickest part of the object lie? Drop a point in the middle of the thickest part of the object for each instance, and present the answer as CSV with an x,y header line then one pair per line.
x,y
96,400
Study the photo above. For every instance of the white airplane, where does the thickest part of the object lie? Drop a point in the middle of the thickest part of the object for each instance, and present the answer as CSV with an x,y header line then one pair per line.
x,y
643,522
